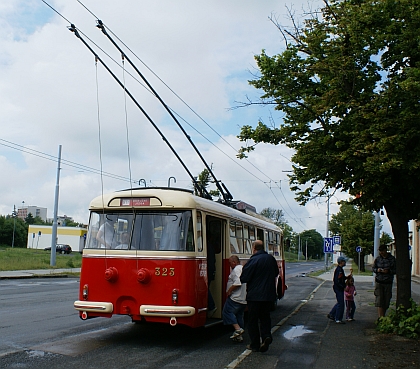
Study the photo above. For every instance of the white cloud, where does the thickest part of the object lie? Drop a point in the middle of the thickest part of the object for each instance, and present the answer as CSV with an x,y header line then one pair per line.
x,y
202,50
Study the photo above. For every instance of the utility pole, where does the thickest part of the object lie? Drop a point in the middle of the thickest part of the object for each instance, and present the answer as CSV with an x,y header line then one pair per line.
x,y
299,248
14,225
54,227
327,230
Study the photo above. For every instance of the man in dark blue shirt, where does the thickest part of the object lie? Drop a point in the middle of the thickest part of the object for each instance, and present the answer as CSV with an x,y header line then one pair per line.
x,y
260,274
339,285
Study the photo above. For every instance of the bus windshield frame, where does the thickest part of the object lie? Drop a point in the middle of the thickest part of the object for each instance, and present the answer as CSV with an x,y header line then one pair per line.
x,y
141,230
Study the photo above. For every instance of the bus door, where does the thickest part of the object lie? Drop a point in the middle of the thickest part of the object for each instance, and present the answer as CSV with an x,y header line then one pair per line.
x,y
215,244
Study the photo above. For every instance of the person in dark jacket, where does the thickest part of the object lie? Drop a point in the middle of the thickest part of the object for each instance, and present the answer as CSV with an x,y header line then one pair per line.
x,y
385,268
260,273
339,285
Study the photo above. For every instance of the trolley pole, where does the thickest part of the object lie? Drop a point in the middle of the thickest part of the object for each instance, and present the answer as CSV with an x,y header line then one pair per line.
x,y
54,227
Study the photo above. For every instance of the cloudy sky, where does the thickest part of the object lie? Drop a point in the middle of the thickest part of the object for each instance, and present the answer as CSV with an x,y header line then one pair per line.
x,y
53,93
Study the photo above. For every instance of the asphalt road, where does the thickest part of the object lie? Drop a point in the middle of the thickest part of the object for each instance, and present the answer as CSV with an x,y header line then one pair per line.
x,y
40,329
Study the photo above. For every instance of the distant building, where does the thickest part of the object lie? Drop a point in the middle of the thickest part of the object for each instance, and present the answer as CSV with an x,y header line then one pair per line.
x,y
36,211
61,220
39,237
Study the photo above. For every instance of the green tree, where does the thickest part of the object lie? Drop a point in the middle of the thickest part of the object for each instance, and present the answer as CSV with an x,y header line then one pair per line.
x,y
311,244
277,216
203,180
7,225
356,228
29,219
348,84
72,223
385,239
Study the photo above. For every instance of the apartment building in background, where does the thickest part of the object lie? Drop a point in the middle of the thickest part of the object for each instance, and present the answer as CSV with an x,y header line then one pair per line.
x,y
36,211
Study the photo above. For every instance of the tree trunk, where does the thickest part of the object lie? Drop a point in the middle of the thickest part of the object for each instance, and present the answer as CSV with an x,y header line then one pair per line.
x,y
400,230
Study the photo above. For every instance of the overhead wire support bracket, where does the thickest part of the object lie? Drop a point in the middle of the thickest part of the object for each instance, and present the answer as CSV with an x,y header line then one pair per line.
x,y
203,192
227,197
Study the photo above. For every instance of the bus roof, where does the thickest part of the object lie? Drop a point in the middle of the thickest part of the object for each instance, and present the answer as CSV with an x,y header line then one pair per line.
x,y
169,198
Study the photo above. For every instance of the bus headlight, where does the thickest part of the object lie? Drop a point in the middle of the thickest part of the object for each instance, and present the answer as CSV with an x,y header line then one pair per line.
x,y
111,274
143,276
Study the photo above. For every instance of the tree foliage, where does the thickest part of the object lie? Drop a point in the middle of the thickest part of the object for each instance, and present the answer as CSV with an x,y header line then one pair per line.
x,y
311,243
348,83
356,228
203,180
277,216
10,226
30,219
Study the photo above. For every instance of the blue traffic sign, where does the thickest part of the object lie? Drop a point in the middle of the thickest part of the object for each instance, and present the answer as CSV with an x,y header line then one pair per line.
x,y
328,244
359,249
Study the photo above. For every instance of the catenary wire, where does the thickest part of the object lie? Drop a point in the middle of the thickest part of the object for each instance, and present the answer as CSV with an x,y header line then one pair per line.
x,y
181,101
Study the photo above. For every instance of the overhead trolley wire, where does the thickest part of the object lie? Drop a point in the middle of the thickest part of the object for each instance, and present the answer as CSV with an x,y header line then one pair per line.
x,y
104,29
152,91
221,187
53,158
182,100
175,94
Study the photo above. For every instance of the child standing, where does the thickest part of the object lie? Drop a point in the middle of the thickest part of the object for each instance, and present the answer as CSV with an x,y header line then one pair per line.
x,y
349,293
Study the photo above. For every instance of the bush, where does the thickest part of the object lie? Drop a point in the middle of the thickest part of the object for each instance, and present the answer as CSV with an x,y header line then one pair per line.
x,y
404,322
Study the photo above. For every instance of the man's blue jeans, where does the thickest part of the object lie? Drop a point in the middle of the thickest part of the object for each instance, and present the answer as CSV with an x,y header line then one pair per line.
x,y
233,313
337,311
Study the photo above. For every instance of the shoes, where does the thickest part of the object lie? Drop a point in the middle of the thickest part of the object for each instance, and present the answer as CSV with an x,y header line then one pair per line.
x,y
340,322
248,347
211,312
267,341
237,333
330,317
349,319
238,339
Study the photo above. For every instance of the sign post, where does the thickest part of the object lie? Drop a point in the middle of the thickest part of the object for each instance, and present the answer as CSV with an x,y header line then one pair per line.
x,y
359,250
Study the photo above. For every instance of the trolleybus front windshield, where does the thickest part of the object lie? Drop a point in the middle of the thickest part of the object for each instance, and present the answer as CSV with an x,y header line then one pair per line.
x,y
159,231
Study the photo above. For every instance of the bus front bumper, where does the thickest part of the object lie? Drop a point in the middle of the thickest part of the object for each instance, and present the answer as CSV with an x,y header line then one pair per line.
x,y
94,307
169,311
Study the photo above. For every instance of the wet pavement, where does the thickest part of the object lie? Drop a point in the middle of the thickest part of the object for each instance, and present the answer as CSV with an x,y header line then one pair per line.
x,y
308,339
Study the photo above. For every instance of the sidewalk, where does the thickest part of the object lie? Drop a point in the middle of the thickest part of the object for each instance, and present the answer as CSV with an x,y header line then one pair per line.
x,y
308,339
15,274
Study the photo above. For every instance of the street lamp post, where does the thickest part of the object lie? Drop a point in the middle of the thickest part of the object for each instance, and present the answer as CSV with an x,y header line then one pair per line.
x,y
14,225
299,249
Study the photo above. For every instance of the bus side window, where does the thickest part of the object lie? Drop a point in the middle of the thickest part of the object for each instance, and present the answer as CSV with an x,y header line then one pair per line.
x,y
248,238
199,232
234,247
190,236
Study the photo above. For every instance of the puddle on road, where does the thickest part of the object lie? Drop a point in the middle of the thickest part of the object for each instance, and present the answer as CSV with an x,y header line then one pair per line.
x,y
296,332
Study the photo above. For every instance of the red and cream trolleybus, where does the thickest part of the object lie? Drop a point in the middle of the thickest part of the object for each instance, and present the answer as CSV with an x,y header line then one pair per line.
x,y
147,252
